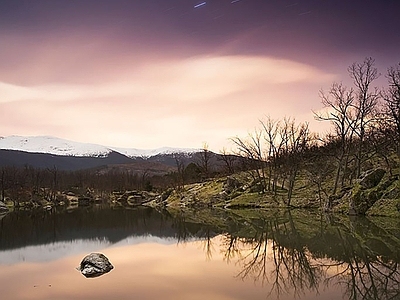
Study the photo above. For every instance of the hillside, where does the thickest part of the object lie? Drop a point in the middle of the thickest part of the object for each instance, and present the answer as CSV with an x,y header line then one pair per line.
x,y
375,193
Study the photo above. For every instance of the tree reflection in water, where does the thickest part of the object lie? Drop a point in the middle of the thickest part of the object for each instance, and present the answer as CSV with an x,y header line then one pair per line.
x,y
292,270
278,254
366,275
290,252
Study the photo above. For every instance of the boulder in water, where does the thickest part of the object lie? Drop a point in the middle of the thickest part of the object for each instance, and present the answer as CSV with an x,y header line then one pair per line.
x,y
94,265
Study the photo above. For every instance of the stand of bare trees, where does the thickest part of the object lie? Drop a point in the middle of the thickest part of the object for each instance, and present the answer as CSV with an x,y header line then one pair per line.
x,y
365,121
276,152
29,184
353,114
338,103
365,133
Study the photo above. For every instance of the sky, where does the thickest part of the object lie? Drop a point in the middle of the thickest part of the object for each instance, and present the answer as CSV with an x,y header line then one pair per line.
x,y
180,73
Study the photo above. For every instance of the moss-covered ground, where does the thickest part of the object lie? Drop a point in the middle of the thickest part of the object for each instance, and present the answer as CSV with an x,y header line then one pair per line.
x,y
381,200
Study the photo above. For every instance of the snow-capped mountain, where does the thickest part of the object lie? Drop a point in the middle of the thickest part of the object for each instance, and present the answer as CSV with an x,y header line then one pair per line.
x,y
46,152
132,152
57,146
52,145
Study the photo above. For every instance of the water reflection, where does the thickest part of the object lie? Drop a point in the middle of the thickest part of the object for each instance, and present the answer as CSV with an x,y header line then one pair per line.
x,y
303,253
294,270
287,253
366,274
39,227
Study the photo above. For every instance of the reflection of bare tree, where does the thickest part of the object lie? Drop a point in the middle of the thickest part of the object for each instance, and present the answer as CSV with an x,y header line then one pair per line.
x,y
290,256
366,275
186,231
263,259
183,233
254,263
278,256
207,243
294,271
231,244
293,267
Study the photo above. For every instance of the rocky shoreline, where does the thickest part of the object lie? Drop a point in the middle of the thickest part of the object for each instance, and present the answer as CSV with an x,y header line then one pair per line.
x,y
375,193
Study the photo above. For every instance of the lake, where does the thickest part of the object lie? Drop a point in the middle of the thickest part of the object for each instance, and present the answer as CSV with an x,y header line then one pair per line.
x,y
208,254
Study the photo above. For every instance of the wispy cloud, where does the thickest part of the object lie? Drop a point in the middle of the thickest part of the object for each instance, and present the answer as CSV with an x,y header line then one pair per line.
x,y
194,79
199,98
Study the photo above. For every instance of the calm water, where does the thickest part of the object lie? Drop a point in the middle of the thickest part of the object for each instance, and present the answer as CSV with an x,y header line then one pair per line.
x,y
199,255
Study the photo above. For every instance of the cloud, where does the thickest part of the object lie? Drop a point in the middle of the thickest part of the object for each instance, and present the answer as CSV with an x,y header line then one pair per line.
x,y
193,79
165,103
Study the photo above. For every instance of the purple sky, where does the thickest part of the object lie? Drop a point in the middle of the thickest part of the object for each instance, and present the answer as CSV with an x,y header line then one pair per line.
x,y
178,73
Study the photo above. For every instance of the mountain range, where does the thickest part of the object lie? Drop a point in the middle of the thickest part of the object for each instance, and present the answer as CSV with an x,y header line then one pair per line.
x,y
63,147
52,152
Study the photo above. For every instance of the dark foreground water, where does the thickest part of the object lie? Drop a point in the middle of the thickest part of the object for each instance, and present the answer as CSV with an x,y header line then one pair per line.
x,y
199,255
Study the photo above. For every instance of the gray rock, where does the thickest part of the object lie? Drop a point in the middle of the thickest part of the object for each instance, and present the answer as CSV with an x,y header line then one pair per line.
x,y
223,195
94,265
393,193
135,200
231,184
372,178
3,207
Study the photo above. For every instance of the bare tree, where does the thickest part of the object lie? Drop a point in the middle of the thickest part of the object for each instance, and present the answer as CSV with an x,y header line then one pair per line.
x,y
286,142
204,160
275,136
54,183
297,142
229,161
3,183
318,169
180,164
252,150
391,98
339,110
366,101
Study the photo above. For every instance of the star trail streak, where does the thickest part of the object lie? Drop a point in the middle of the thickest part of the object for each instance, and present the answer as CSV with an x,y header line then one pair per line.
x,y
200,5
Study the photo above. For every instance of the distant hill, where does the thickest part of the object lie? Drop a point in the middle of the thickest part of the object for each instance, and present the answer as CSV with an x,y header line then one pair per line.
x,y
50,152
63,147
68,163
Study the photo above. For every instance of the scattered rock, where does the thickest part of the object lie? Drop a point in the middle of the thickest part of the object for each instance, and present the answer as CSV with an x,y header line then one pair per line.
x,y
3,208
385,207
135,200
223,195
231,184
94,265
84,201
393,193
368,192
371,178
